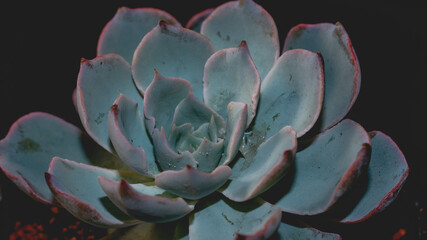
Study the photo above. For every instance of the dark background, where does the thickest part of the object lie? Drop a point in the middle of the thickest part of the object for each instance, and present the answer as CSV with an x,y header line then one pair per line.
x,y
42,44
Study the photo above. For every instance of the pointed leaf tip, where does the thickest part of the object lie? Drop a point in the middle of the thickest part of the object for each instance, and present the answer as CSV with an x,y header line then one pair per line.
x,y
128,135
122,34
66,179
185,50
224,28
145,202
230,75
191,183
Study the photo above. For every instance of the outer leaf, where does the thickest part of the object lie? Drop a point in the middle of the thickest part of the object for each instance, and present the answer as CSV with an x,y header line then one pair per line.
x,y
195,22
144,202
291,94
237,117
289,231
161,99
191,183
263,166
244,20
123,33
387,172
231,75
254,219
342,71
329,166
34,139
76,188
173,51
128,135
99,83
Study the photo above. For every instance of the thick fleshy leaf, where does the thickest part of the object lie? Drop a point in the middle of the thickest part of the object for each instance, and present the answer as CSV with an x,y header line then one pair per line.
x,y
125,30
75,187
237,117
192,110
99,83
147,203
231,75
329,166
173,51
208,154
34,139
244,20
302,231
195,22
387,172
167,158
128,135
161,99
177,230
291,94
254,219
263,166
342,71
191,183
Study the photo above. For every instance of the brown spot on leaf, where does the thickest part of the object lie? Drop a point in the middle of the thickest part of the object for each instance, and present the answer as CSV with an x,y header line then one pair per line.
x,y
27,145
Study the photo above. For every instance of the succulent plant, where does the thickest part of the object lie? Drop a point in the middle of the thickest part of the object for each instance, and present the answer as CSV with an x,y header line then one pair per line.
x,y
190,129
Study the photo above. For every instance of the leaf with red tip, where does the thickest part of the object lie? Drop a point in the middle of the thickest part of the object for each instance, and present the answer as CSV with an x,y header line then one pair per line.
x,y
254,219
231,75
328,167
237,117
75,187
99,83
173,51
301,231
195,22
291,94
263,166
125,30
191,183
161,99
236,21
128,135
145,202
387,172
34,139
342,71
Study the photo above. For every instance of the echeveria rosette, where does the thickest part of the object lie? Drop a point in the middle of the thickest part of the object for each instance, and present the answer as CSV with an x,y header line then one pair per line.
x,y
194,124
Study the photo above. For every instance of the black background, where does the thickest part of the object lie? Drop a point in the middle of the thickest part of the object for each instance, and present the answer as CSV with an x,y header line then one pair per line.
x,y
42,44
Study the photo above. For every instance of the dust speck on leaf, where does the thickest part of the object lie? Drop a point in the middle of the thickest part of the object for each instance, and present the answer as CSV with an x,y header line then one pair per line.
x,y
99,118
